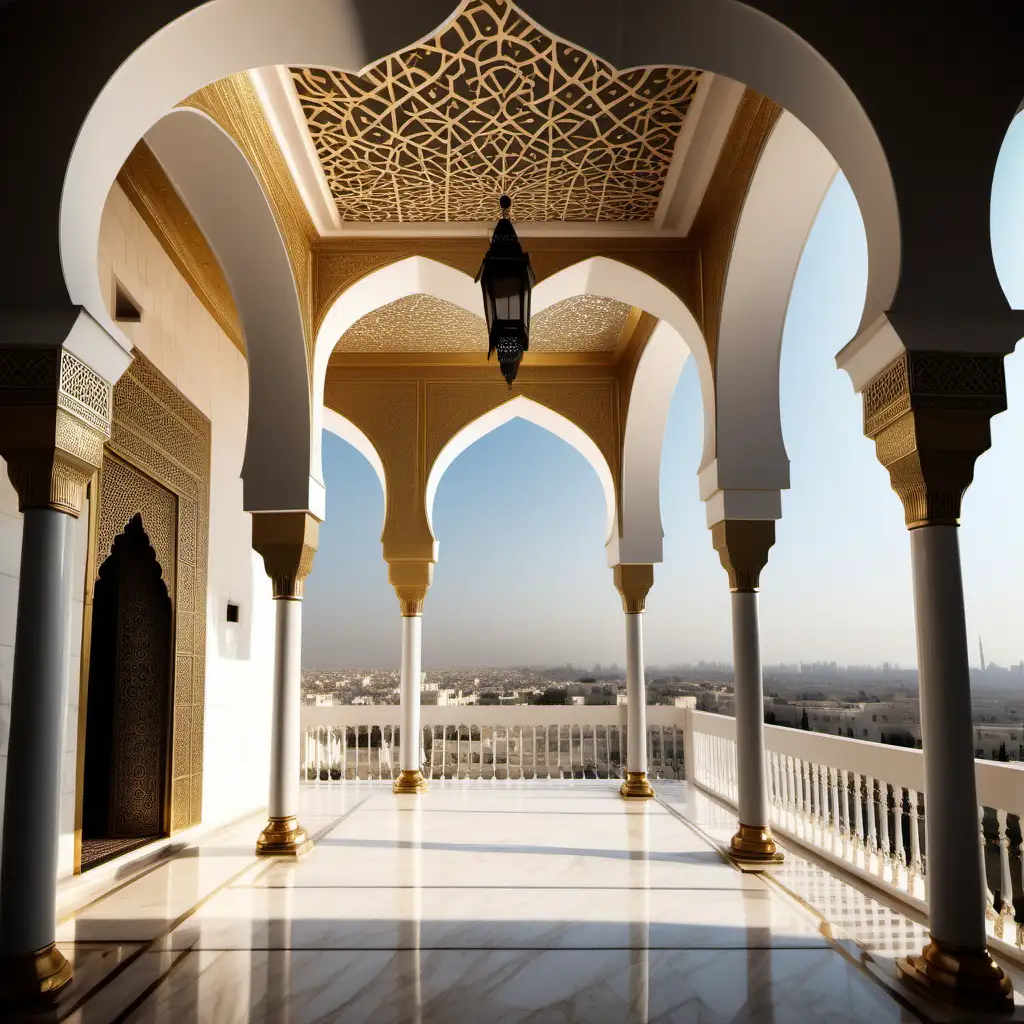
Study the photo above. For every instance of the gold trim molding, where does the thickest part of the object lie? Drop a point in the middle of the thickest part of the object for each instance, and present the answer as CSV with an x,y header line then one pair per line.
x,y
233,104
151,192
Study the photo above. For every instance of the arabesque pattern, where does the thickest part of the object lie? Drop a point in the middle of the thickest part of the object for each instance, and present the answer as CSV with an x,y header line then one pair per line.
x,y
493,104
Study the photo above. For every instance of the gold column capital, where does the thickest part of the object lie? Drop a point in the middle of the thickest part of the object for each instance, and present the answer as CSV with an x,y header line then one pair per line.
x,y
411,578
55,415
287,541
928,414
743,546
633,581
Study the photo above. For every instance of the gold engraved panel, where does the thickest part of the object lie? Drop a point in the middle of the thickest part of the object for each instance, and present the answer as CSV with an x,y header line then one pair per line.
x,y
157,462
494,104
423,323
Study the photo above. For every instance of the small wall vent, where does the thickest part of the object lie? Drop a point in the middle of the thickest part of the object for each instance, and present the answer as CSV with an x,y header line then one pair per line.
x,y
232,615
126,309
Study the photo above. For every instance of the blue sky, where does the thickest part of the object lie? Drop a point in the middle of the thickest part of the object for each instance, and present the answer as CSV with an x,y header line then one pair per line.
x,y
522,576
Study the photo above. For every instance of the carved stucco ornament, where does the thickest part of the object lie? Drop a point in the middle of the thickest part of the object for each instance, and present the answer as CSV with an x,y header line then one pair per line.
x,y
287,541
928,414
54,419
743,546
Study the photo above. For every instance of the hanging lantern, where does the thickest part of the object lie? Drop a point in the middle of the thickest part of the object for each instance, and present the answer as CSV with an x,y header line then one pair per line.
x,y
507,280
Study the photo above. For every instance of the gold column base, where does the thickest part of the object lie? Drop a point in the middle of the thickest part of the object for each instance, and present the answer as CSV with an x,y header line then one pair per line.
x,y
968,977
28,977
283,837
636,787
410,781
753,842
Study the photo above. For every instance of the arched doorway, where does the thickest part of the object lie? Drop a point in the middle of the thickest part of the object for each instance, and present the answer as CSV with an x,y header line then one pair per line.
x,y
126,741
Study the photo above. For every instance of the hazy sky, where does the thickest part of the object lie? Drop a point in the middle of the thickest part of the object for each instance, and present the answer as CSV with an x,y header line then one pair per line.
x,y
522,576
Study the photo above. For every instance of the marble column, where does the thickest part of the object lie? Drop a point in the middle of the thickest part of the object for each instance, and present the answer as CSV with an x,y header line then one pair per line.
x,y
928,413
287,541
743,547
53,425
633,582
411,579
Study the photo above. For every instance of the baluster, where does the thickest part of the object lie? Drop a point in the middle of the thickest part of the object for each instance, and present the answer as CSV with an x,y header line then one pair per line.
x,y
858,811
823,815
883,828
1005,878
900,854
837,819
790,788
872,863
990,910
780,791
917,868
802,792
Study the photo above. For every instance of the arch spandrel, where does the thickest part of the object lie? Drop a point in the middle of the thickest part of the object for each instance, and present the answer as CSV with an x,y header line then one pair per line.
x,y
591,406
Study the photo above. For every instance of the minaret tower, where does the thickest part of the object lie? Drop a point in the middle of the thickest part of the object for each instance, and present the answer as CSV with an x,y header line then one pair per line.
x,y
981,651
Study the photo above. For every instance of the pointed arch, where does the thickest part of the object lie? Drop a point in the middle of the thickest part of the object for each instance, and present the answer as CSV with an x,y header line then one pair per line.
x,y
224,194
788,186
640,534
540,415
414,275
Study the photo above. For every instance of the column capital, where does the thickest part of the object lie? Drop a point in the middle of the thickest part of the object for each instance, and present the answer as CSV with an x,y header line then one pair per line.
x,y
54,420
633,581
928,414
411,578
743,546
287,541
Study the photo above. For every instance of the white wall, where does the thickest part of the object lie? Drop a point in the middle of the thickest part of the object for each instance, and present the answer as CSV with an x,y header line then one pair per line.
x,y
187,346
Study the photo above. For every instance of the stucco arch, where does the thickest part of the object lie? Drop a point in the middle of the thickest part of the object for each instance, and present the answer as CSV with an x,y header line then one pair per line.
x,y
148,76
640,534
225,196
524,408
746,452
414,275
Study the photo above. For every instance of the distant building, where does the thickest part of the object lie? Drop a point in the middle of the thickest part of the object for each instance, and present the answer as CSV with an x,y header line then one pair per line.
x,y
576,700
324,700
620,699
685,702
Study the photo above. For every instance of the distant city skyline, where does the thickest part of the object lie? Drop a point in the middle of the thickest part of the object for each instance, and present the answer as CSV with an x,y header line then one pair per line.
x,y
522,576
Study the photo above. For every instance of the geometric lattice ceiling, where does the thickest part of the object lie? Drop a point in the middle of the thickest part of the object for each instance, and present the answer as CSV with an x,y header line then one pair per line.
x,y
493,104
423,323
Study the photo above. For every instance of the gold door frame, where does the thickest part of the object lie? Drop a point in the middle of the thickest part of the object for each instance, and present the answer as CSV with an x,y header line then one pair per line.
x,y
160,442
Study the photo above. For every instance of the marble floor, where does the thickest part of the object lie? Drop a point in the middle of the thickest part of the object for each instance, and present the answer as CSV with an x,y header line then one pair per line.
x,y
485,902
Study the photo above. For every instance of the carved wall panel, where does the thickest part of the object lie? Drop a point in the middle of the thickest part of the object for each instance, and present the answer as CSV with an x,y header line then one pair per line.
x,y
159,446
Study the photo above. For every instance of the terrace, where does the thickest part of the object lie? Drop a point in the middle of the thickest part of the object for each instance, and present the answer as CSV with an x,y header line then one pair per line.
x,y
515,889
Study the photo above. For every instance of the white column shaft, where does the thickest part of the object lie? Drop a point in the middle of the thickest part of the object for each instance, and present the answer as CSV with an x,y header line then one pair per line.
x,y
956,876
746,652
284,741
28,866
636,694
410,695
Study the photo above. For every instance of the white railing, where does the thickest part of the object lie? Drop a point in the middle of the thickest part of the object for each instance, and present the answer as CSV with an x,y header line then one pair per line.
x,y
862,805
487,742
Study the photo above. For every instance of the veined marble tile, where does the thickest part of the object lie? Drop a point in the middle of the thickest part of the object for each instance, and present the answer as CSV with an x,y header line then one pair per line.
x,y
362,918
145,907
367,862
506,986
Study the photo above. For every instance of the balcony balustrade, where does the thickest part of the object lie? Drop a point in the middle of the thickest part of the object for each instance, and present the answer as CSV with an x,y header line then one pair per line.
x,y
487,742
857,804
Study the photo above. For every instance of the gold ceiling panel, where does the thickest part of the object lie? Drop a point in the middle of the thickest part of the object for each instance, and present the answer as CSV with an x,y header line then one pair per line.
x,y
416,323
581,323
493,104
423,323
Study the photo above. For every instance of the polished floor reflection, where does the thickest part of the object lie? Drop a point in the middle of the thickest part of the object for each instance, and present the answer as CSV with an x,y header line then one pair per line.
x,y
480,902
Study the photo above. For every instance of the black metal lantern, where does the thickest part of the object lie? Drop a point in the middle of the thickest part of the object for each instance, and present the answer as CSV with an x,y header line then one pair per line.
x,y
507,281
